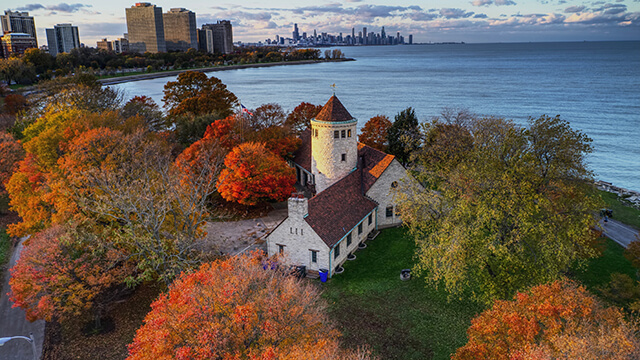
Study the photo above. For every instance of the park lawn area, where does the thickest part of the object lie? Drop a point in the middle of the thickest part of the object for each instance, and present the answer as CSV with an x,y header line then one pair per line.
x,y
5,247
397,319
622,212
598,271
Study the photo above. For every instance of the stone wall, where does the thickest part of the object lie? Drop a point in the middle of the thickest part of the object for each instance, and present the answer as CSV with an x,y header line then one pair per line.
x,y
356,238
326,163
383,193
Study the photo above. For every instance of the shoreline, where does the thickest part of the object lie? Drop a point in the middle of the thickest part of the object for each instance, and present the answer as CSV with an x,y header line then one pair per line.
x,y
139,77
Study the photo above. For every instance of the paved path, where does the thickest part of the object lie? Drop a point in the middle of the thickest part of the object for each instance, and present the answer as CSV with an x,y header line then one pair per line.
x,y
13,322
619,232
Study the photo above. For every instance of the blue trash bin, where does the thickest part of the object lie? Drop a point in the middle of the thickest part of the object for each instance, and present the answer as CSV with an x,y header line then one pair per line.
x,y
324,274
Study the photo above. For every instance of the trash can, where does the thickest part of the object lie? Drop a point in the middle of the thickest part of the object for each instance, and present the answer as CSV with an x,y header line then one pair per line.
x,y
324,274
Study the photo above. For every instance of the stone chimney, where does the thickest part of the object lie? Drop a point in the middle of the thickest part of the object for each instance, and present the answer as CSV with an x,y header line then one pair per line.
x,y
298,206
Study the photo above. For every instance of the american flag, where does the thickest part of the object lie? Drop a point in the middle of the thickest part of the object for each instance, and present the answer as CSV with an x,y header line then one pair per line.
x,y
245,110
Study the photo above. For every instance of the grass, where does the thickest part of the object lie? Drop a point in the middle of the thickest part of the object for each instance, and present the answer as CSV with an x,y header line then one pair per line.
x,y
622,211
598,271
399,320
5,247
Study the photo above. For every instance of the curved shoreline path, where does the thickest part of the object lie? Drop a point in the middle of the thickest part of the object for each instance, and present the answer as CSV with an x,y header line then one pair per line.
x,y
138,77
619,232
13,321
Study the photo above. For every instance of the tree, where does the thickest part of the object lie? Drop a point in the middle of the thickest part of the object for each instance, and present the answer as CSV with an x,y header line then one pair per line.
x,y
15,69
147,109
517,210
195,93
374,132
11,153
403,136
632,252
299,119
267,115
254,174
41,61
14,103
64,273
560,320
234,309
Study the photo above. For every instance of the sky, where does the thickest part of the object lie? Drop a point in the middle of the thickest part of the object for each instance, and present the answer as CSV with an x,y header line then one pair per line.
x,y
471,21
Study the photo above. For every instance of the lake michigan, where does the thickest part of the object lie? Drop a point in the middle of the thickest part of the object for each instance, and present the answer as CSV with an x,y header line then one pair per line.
x,y
595,86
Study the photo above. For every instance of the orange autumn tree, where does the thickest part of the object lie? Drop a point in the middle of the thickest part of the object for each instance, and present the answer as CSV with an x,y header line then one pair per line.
x,y
254,174
195,93
235,309
374,132
560,320
63,273
299,119
11,153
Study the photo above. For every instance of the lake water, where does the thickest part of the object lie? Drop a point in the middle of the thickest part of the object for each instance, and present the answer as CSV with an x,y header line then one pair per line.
x,y
593,85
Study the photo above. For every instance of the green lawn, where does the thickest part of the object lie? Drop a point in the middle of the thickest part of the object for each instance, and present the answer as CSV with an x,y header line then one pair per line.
x,y
599,270
5,246
621,211
399,320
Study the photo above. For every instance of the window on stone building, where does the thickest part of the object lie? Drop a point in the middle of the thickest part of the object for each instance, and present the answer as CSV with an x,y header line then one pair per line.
x,y
389,211
394,184
336,134
280,249
344,157
315,132
301,231
336,251
349,240
370,219
344,134
359,228
291,230
314,256
349,133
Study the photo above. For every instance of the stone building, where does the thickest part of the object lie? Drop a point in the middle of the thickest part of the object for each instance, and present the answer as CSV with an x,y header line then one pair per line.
x,y
180,29
354,194
145,28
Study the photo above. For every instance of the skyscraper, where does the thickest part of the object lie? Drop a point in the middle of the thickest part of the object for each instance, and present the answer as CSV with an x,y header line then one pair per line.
x,y
62,38
145,28
221,37
19,22
296,34
364,35
180,29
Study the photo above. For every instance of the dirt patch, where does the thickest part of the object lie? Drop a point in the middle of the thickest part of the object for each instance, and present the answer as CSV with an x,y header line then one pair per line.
x,y
68,341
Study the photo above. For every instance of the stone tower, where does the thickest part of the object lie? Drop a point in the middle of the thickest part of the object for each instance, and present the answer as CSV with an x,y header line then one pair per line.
x,y
334,147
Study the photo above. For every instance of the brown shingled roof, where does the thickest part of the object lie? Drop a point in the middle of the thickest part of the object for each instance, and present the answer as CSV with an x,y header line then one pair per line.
x,y
302,156
338,209
333,110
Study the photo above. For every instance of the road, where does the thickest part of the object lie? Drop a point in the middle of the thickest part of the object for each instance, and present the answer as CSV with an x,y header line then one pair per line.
x,y
619,232
13,322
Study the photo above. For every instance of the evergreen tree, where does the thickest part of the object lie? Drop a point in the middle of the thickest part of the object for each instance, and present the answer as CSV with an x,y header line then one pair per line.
x,y
403,136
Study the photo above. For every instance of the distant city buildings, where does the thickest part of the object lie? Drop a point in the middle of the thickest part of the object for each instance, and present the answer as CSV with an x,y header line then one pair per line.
x,y
145,28
18,33
180,29
117,45
216,38
62,38
363,37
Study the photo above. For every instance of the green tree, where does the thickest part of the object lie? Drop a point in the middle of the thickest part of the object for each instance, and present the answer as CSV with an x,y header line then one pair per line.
x,y
41,60
404,136
517,210
15,69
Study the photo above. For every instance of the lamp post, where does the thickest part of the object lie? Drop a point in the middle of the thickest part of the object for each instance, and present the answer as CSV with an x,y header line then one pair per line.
x,y
30,339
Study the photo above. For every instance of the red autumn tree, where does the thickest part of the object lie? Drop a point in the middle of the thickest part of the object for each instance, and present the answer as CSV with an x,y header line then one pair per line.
x,y
228,131
299,119
14,103
62,274
374,132
560,320
235,309
11,153
255,174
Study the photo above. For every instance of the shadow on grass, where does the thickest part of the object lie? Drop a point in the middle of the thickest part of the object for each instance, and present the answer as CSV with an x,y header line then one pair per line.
x,y
399,320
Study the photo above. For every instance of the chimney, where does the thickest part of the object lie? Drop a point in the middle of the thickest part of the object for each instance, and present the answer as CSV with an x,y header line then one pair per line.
x,y
298,206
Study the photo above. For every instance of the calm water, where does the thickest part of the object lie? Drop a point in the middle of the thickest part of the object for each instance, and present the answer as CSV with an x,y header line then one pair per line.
x,y
594,86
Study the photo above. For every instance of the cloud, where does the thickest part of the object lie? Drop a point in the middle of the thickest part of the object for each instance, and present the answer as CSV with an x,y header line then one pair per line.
x,y
482,2
574,9
62,7
454,13
480,16
505,2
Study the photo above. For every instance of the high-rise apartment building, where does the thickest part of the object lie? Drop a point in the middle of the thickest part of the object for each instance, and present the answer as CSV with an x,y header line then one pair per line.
x,y
221,37
15,43
19,22
180,31
62,38
105,45
145,28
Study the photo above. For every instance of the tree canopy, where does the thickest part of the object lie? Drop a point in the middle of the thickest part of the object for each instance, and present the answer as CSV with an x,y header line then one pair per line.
x,y
514,208
403,136
196,94
375,131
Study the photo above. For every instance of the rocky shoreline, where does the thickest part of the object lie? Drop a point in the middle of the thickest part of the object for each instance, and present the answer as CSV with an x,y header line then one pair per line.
x,y
630,195
138,77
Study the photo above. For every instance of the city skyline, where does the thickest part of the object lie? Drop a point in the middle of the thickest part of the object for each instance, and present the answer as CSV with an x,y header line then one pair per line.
x,y
433,21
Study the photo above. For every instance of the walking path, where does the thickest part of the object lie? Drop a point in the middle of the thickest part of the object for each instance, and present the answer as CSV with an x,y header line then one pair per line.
x,y
619,232
13,322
